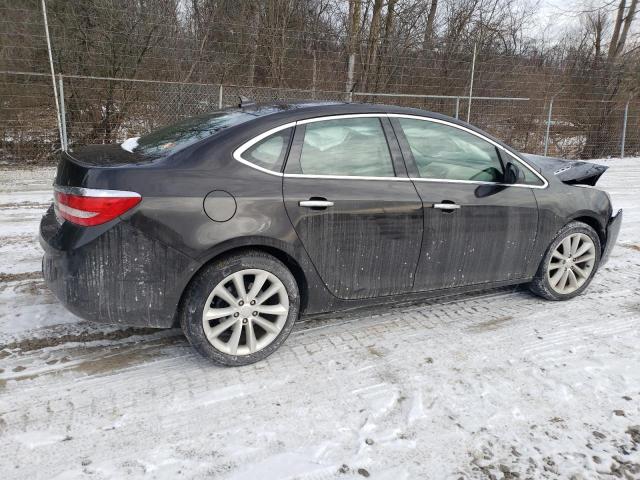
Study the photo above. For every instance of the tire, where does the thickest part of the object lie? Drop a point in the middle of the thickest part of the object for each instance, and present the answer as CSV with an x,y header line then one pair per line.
x,y
260,335
542,284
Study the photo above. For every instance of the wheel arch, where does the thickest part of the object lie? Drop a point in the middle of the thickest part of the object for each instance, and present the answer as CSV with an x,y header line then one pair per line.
x,y
592,220
276,249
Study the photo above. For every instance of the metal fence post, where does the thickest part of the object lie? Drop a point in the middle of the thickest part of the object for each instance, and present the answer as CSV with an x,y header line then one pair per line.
x,y
63,116
546,137
624,128
473,70
457,107
220,97
53,75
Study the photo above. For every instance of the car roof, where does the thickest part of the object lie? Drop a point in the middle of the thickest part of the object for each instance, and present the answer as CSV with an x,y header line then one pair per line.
x,y
273,115
287,112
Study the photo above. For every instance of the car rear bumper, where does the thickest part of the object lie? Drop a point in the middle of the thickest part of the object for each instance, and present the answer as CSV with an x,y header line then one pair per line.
x,y
613,229
121,276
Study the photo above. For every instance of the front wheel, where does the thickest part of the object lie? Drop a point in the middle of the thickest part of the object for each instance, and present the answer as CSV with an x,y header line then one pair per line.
x,y
240,309
569,263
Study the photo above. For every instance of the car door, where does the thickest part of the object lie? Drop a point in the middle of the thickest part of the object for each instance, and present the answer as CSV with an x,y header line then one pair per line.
x,y
356,212
477,228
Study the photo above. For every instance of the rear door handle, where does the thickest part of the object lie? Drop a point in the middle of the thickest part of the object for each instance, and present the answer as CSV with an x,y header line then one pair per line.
x,y
316,203
446,206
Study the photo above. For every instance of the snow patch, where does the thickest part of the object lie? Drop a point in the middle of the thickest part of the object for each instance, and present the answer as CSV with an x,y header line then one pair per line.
x,y
37,439
130,144
287,465
417,409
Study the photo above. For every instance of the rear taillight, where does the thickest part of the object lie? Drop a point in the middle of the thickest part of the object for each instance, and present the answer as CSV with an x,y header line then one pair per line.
x,y
89,207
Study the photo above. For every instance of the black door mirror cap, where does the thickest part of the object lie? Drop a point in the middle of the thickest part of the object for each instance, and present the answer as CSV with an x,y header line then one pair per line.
x,y
512,173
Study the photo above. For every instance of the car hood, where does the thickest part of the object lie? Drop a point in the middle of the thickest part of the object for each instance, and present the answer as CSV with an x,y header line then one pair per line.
x,y
572,172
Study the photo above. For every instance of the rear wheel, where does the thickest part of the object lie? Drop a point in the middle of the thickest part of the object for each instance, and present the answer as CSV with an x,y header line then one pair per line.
x,y
569,263
240,309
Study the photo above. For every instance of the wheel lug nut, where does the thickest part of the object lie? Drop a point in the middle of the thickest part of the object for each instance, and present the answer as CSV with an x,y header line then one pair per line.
x,y
241,303
253,302
236,314
244,320
255,314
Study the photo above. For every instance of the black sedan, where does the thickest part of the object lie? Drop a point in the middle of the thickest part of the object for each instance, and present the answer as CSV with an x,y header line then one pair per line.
x,y
233,224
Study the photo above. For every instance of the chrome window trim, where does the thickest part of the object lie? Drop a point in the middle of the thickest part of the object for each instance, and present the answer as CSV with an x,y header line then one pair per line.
x,y
347,177
237,154
545,183
90,192
339,117
475,182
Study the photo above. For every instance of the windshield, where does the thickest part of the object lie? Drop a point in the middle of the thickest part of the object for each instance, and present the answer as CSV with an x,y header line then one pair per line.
x,y
180,135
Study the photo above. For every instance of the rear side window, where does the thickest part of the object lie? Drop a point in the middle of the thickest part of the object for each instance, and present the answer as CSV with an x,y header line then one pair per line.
x,y
448,153
348,147
269,152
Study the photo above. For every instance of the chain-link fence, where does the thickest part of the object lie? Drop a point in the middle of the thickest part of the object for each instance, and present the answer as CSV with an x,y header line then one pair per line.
x,y
107,110
102,110
123,72
27,119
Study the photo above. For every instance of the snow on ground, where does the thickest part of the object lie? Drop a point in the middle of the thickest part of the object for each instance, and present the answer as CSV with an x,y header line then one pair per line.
x,y
496,385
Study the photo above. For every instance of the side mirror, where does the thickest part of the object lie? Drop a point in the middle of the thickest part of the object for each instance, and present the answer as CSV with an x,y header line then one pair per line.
x,y
512,174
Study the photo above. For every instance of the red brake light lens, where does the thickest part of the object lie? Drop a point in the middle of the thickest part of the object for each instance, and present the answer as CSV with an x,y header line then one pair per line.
x,y
89,207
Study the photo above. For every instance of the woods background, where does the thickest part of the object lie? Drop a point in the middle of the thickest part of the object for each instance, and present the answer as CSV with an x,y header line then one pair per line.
x,y
126,67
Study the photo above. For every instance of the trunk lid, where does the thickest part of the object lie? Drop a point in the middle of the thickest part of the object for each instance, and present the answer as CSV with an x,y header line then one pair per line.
x,y
110,155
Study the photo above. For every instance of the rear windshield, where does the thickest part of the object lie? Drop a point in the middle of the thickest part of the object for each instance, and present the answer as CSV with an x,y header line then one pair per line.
x,y
180,135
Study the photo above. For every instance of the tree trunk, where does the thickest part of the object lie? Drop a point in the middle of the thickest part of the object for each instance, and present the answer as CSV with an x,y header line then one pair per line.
x,y
388,38
428,31
627,25
253,49
314,75
372,47
352,42
621,28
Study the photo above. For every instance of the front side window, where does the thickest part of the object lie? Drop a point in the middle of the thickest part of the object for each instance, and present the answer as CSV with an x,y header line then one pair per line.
x,y
269,152
347,147
448,153
530,178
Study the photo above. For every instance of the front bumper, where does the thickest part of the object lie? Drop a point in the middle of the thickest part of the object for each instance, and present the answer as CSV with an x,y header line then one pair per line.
x,y
121,276
613,229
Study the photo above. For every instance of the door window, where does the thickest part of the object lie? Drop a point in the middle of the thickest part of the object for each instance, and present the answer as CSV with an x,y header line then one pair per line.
x,y
269,152
348,147
445,152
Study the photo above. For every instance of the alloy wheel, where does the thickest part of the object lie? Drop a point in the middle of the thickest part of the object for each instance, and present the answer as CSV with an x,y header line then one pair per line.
x,y
571,263
245,312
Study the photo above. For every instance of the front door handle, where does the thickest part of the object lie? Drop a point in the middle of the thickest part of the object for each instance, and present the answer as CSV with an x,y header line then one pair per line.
x,y
316,203
446,206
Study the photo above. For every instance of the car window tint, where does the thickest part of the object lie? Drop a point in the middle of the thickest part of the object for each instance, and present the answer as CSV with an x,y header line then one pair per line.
x,y
350,147
269,152
445,152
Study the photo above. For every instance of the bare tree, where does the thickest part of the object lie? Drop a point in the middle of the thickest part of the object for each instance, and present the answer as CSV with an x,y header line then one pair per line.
x,y
622,24
372,43
428,29
353,37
